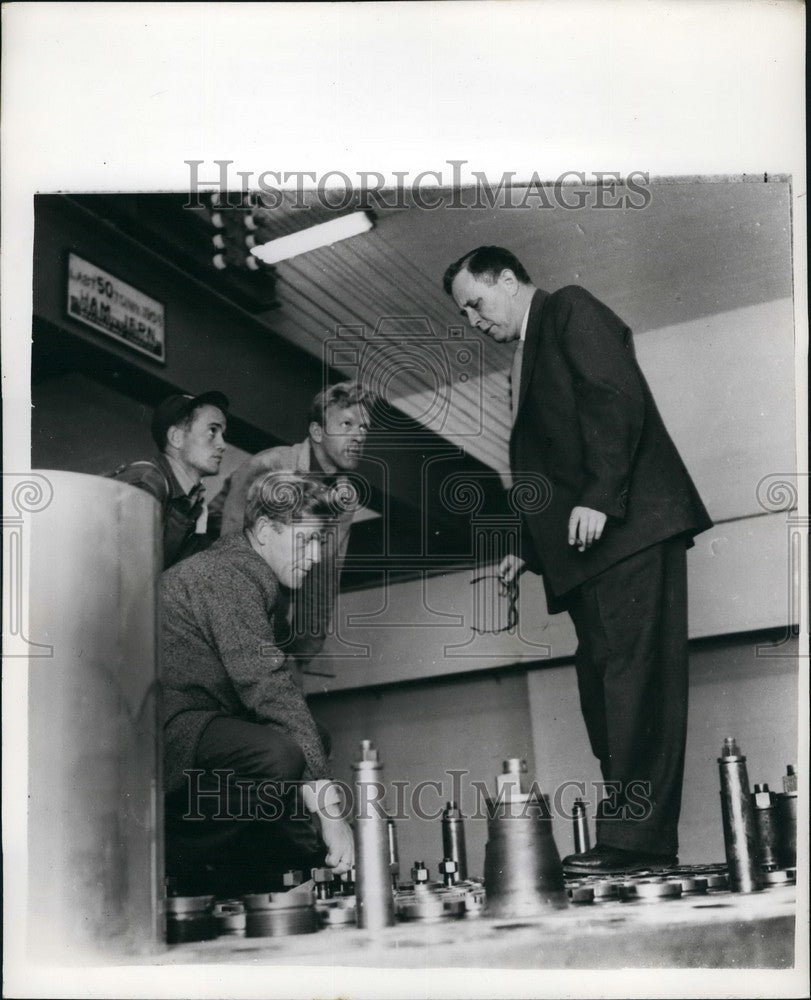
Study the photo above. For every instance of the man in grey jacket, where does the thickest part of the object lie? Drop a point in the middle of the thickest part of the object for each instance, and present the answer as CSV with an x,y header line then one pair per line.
x,y
241,749
338,426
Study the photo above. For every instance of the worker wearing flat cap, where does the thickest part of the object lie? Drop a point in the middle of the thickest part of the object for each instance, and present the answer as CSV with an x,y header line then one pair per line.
x,y
188,431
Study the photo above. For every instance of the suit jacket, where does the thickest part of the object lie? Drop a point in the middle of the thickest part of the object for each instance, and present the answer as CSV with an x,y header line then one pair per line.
x,y
311,610
587,422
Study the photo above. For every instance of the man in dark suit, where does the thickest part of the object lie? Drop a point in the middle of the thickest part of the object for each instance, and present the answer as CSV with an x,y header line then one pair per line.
x,y
610,538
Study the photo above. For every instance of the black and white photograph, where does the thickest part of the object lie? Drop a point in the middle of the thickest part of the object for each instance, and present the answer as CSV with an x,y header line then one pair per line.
x,y
405,500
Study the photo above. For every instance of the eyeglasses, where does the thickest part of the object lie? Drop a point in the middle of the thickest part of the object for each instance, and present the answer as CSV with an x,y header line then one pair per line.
x,y
507,590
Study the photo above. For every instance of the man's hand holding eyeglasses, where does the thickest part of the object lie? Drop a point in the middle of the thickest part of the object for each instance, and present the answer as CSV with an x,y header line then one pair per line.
x,y
509,569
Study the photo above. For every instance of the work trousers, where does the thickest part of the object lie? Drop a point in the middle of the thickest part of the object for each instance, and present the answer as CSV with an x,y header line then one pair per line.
x,y
632,675
239,823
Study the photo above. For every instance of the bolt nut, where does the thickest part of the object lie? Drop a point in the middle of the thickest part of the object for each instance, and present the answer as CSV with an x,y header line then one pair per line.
x,y
419,873
321,875
291,878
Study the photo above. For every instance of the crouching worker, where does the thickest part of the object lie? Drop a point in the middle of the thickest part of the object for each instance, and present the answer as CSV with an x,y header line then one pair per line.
x,y
247,790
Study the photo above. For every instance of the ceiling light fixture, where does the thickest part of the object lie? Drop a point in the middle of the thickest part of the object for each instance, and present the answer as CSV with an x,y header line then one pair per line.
x,y
305,240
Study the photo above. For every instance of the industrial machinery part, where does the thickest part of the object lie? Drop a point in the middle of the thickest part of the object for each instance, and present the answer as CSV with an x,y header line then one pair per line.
x,y
394,854
605,890
292,878
375,899
449,871
427,905
278,914
764,804
95,829
740,832
787,820
453,838
685,881
781,876
523,875
475,897
347,883
229,915
338,912
582,842
650,890
323,879
190,918
581,893
420,875
693,885
513,776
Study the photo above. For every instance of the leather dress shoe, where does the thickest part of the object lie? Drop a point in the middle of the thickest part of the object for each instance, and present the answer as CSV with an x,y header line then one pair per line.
x,y
605,860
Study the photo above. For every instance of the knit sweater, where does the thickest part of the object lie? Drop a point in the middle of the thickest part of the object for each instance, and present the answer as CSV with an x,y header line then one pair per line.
x,y
220,657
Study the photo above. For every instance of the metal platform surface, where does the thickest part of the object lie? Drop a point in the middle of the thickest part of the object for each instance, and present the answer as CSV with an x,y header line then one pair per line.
x,y
719,930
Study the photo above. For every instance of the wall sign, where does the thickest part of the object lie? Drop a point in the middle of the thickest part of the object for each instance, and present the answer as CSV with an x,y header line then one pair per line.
x,y
105,303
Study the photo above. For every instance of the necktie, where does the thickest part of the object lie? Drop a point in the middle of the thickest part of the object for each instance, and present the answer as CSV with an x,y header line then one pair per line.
x,y
515,378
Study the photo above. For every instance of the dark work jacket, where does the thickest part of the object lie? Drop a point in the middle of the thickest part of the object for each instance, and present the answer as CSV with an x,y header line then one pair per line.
x,y
178,516
587,433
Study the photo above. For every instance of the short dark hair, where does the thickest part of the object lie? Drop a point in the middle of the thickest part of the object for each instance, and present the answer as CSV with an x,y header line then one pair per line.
x,y
285,497
342,394
488,263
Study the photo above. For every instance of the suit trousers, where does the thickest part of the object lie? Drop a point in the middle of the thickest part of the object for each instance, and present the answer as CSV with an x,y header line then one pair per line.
x,y
239,823
632,675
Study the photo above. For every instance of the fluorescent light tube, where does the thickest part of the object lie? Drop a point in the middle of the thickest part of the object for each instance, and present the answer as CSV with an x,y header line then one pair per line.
x,y
305,240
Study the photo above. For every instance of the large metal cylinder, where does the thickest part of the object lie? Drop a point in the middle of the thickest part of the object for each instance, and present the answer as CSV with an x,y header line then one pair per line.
x,y
373,889
453,839
394,853
740,829
787,829
523,876
95,810
765,810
